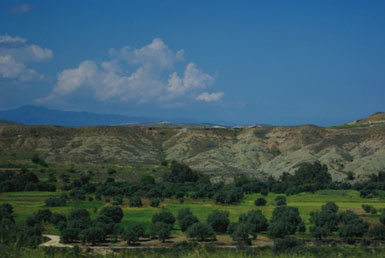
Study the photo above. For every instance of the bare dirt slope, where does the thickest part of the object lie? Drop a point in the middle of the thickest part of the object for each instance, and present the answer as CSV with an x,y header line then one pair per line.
x,y
219,152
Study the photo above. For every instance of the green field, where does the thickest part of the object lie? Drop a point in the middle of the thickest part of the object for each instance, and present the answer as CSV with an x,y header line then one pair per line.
x,y
27,203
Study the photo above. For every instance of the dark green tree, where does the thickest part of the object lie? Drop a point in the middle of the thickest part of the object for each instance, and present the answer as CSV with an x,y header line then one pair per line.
x,y
241,234
255,222
92,235
219,221
260,202
130,236
155,202
135,201
201,231
280,200
285,221
113,214
161,230
163,216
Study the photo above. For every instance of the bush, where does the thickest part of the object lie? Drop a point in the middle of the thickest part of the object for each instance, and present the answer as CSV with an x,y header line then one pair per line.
x,y
161,230
92,235
287,244
201,231
260,202
36,160
135,201
352,225
117,200
55,202
43,215
366,208
181,173
264,192
280,200
309,173
382,217
377,232
155,202
130,236
112,214
229,195
255,222
241,234
285,221
57,218
325,221
111,171
219,221
186,219
164,216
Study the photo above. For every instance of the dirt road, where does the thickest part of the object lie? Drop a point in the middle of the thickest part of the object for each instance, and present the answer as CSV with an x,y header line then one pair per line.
x,y
54,241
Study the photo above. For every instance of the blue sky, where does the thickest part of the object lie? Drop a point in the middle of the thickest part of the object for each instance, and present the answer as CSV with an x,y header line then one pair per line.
x,y
274,62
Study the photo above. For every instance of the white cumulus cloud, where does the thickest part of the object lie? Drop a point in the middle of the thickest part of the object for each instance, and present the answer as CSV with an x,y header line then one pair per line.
x,y
210,97
193,79
137,75
15,54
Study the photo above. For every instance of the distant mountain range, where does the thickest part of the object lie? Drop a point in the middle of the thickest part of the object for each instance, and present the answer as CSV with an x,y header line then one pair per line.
x,y
36,115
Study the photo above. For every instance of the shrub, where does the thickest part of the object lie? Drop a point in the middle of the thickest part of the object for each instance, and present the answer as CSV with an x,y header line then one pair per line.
x,y
135,201
181,173
255,222
241,234
285,221
264,192
377,232
55,202
382,217
309,173
366,208
287,244
325,221
43,215
111,171
92,235
260,202
155,202
218,220
57,218
201,231
164,216
112,214
280,200
117,200
161,230
351,225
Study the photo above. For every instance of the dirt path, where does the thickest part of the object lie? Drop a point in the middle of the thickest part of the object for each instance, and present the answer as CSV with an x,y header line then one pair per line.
x,y
224,241
54,241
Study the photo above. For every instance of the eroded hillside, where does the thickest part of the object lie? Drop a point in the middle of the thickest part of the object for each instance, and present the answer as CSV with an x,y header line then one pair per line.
x,y
220,152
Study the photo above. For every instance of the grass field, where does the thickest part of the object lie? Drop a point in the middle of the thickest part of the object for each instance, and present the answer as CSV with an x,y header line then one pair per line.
x,y
27,203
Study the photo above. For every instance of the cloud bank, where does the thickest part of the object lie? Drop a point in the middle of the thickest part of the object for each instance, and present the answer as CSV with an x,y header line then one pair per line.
x,y
142,75
16,55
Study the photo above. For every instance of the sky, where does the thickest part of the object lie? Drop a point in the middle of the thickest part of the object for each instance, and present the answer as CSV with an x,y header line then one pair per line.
x,y
239,62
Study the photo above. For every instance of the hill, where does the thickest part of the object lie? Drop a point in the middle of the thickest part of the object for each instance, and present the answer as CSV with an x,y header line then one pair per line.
x,y
376,118
7,122
219,152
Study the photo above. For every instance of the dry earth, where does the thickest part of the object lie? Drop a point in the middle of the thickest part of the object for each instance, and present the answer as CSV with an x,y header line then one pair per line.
x,y
220,152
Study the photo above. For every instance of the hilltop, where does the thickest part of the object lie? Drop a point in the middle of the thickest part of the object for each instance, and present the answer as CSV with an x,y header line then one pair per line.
x,y
376,118
219,152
